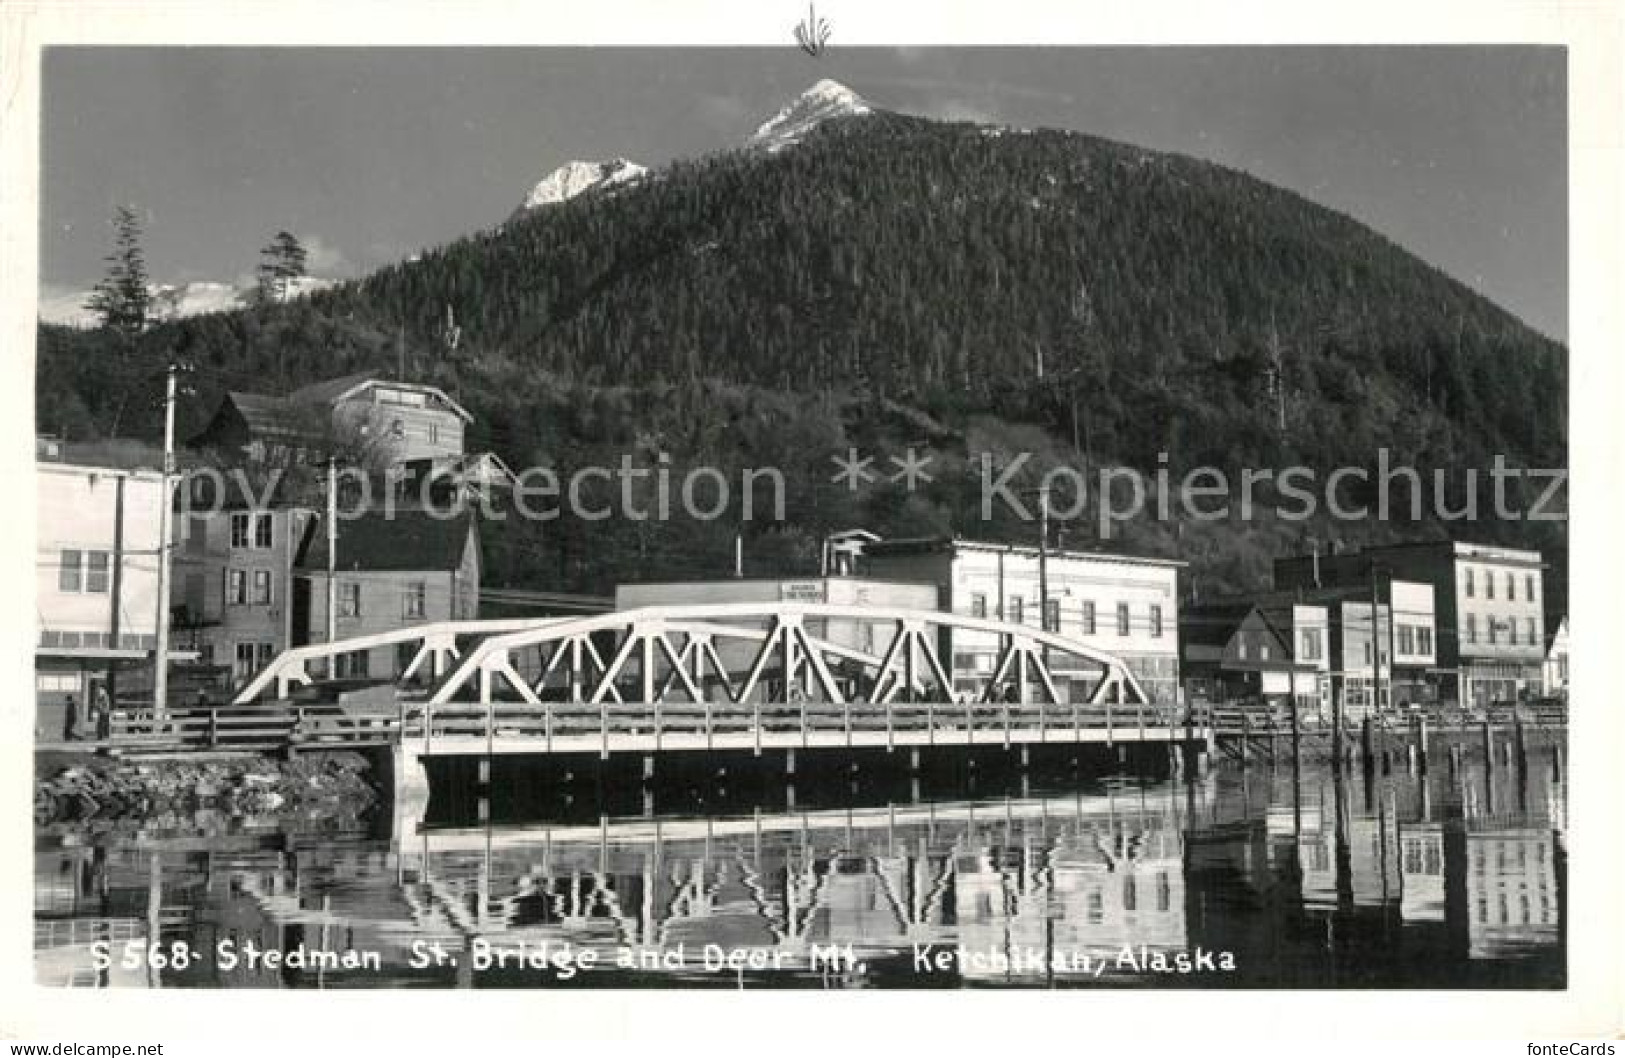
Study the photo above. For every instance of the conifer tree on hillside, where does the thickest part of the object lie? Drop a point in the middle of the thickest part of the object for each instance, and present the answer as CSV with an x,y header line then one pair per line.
x,y
282,262
121,299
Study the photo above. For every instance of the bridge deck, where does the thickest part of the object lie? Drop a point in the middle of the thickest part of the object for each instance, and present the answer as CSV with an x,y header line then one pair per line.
x,y
558,728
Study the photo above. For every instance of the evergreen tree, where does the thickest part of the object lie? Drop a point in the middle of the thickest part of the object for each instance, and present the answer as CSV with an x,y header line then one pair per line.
x,y
281,262
122,299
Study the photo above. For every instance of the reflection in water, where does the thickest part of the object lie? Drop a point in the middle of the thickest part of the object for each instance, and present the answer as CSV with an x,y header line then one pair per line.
x,y
1303,879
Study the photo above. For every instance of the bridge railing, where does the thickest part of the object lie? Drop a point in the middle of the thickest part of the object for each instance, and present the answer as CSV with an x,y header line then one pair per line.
x,y
1228,718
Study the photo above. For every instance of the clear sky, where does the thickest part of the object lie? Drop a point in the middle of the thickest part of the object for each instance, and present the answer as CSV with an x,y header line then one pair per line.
x,y
1458,154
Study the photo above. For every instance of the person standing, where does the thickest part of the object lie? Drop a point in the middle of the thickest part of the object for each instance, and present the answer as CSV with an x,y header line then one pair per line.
x,y
70,720
101,712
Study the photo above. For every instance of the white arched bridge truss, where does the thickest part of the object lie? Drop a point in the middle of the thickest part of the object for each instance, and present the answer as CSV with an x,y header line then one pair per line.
x,y
735,653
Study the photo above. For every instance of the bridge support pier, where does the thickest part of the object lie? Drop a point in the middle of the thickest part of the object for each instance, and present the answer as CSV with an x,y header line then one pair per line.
x,y
406,778
790,762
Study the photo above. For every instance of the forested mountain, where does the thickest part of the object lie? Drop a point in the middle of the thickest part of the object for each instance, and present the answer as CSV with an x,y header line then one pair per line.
x,y
892,281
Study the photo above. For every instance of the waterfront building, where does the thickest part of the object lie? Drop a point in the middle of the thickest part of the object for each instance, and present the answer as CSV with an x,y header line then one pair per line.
x,y
1555,672
1330,631
393,569
1490,641
1126,605
1235,652
96,580
233,585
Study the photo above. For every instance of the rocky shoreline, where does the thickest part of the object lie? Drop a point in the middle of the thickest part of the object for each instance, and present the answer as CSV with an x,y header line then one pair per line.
x,y
85,787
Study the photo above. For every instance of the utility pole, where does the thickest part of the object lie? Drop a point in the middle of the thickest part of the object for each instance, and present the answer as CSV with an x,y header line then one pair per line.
x,y
332,548
1376,639
1043,557
160,669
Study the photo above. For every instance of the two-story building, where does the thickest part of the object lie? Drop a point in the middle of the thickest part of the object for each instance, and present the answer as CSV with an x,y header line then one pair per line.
x,y
1272,648
385,420
392,569
96,579
1125,605
234,583
1488,601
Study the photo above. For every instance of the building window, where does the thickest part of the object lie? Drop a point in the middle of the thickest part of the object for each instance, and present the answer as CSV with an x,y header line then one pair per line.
x,y
1489,629
1407,639
1469,582
1534,637
434,433
349,599
1311,644
96,571
353,665
70,575
1052,615
1472,628
413,600
978,606
1489,584
1122,618
1512,587
1263,651
236,587
249,658
251,529
1512,630
1156,620
1241,648
1424,640
1018,608
262,587
1367,646
1529,586
1089,618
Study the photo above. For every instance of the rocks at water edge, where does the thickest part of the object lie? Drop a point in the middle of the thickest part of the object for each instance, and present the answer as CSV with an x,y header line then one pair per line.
x,y
103,788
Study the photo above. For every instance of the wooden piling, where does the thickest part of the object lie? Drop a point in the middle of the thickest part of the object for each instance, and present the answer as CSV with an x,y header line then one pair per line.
x,y
1521,746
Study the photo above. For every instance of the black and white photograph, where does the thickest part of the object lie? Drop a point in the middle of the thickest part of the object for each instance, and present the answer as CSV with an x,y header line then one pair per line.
x,y
813,515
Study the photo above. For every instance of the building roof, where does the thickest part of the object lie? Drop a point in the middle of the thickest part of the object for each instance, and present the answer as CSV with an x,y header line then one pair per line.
x,y
927,544
403,540
1213,624
334,390
267,415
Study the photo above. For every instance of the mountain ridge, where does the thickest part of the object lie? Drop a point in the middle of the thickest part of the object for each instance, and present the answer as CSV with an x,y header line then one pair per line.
x,y
1124,303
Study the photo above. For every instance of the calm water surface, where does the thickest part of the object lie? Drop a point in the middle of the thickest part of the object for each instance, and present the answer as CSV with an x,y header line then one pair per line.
x,y
1291,879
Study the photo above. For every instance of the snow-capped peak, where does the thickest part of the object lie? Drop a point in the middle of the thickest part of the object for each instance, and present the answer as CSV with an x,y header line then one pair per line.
x,y
577,178
822,102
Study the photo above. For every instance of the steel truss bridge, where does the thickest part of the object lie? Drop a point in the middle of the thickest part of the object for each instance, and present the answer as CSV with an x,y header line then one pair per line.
x,y
737,676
